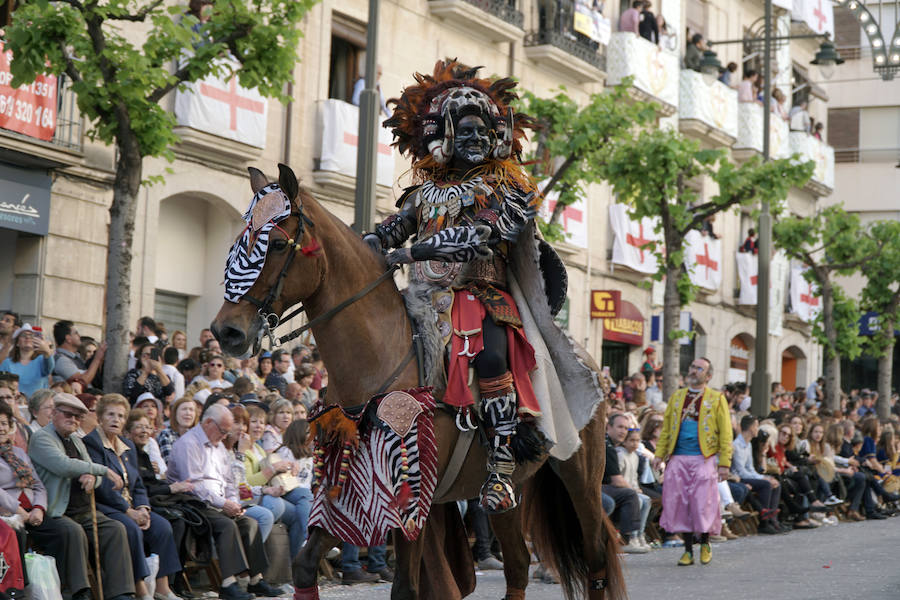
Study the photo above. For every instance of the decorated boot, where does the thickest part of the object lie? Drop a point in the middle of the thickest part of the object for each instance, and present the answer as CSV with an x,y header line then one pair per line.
x,y
498,417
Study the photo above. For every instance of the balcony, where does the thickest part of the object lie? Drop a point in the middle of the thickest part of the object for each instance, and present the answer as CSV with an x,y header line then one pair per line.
x,y
493,20
809,148
707,111
564,50
336,145
65,144
750,133
654,72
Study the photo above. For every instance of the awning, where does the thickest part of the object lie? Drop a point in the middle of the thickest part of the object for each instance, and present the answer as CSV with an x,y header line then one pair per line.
x,y
814,89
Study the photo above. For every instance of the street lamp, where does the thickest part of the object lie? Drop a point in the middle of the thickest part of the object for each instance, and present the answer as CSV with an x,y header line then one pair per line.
x,y
710,66
826,59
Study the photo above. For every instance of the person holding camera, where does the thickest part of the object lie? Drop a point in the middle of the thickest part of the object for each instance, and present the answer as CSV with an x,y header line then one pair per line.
x,y
147,376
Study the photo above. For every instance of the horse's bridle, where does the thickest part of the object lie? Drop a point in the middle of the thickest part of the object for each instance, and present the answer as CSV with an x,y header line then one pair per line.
x,y
270,320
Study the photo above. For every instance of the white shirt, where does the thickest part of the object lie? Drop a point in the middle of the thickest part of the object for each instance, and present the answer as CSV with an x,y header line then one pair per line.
x,y
152,450
176,378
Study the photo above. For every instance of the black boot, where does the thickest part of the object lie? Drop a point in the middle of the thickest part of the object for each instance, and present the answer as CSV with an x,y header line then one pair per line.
x,y
498,415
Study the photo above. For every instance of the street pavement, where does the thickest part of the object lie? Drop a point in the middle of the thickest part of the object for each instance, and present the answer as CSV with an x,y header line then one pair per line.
x,y
848,561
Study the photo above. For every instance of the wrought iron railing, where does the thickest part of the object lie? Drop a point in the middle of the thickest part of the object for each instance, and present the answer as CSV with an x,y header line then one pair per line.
x,y
556,29
502,9
69,124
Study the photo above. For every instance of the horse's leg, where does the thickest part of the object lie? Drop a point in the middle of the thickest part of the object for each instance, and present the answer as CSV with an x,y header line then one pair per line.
x,y
516,558
582,477
305,566
408,564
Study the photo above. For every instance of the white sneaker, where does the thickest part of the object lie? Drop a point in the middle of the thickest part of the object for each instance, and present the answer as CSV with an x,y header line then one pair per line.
x,y
833,500
634,546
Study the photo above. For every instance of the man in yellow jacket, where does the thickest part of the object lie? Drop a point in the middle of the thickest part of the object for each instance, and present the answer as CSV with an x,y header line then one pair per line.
x,y
695,442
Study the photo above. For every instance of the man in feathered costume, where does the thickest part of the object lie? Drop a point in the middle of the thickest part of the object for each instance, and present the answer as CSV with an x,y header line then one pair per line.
x,y
471,201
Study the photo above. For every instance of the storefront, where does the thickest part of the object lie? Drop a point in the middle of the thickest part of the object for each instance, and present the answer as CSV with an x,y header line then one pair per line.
x,y
620,335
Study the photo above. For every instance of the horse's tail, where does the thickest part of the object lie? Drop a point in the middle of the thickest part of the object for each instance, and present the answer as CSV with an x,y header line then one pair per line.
x,y
558,537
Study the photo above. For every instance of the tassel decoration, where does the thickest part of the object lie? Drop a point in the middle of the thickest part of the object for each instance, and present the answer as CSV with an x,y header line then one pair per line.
x,y
335,491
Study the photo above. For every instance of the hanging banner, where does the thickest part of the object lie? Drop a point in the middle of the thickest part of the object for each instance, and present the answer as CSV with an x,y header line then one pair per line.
x,y
222,107
29,109
804,301
339,140
747,268
573,217
590,22
779,269
703,260
631,239
817,14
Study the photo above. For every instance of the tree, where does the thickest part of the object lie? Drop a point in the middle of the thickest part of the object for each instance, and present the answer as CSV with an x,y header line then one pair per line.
x,y
575,138
651,171
830,242
882,295
120,77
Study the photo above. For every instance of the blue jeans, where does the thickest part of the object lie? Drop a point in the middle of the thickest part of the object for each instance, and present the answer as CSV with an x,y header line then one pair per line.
x,y
263,516
292,509
350,558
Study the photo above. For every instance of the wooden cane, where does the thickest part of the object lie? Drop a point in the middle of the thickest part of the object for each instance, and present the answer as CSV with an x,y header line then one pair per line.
x,y
96,545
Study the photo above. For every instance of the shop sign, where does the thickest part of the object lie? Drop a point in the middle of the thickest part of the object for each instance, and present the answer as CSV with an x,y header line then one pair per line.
x,y
28,109
605,304
627,327
24,200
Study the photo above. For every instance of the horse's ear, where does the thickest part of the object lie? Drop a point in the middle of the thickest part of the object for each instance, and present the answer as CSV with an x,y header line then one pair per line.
x,y
257,179
288,182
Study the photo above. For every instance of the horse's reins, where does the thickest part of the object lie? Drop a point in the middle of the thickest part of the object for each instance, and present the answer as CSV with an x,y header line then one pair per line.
x,y
270,320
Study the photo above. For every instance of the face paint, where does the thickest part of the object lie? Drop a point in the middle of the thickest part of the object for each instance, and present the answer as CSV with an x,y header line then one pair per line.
x,y
472,142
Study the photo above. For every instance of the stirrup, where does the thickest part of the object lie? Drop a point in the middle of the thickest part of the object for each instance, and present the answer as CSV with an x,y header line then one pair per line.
x,y
497,494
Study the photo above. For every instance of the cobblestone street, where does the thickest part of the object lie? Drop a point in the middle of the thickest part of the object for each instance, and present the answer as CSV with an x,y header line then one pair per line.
x,y
852,560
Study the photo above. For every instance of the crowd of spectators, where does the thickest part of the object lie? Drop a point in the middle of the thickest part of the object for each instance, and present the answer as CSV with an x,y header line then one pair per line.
x,y
196,455
801,467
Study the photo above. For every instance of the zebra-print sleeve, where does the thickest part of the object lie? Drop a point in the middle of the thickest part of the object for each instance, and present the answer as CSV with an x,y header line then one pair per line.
x,y
461,244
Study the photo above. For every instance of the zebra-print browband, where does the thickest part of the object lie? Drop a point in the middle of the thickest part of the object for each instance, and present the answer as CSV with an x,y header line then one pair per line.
x,y
248,254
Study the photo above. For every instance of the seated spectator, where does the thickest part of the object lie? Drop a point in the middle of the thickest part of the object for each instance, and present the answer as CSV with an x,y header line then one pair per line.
x,y
238,442
40,407
31,359
130,505
147,376
68,365
21,490
184,414
727,76
631,18
9,322
888,451
798,494
766,488
214,371
693,55
300,412
647,26
615,486
295,451
64,466
189,368
866,409
200,458
304,375
281,362
281,413
170,359
821,455
747,87
152,407
179,342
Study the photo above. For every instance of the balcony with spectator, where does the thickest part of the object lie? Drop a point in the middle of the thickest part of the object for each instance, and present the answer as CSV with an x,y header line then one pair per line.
x,y
570,39
493,20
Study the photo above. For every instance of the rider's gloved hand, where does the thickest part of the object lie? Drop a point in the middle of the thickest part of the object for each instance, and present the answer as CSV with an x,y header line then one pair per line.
x,y
373,241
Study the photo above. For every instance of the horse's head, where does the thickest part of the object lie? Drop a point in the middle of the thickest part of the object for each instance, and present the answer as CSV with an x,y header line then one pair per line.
x,y
274,263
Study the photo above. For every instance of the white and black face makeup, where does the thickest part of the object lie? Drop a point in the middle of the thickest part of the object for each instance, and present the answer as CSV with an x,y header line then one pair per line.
x,y
472,141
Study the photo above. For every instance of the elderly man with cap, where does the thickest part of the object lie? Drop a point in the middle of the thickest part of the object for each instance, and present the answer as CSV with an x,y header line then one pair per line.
x,y
63,464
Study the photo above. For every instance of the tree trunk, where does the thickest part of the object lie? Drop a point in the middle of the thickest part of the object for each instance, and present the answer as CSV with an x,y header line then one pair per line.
x,y
832,361
885,366
671,317
129,167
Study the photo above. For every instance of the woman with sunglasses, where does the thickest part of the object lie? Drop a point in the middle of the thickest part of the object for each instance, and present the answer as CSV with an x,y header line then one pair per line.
x,y
147,376
797,492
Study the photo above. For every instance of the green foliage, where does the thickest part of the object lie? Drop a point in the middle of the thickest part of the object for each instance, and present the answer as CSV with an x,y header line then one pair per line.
x,y
832,241
123,56
882,291
579,136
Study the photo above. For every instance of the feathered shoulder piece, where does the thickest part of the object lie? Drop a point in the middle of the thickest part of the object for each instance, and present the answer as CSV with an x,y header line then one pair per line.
x,y
420,113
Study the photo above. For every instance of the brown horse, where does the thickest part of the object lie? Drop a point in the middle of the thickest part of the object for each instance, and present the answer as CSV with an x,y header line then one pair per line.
x,y
361,346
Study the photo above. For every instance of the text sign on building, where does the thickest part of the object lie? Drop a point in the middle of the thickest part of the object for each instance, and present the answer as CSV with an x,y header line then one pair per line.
x,y
24,200
605,304
29,109
627,327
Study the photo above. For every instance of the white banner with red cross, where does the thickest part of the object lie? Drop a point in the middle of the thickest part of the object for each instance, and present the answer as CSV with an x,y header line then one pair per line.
x,y
747,268
805,302
573,217
703,260
631,238
222,107
338,141
817,14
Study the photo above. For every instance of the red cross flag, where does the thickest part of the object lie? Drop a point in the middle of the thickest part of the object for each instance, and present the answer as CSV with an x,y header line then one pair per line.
x,y
817,14
703,260
805,301
747,268
573,218
631,239
223,108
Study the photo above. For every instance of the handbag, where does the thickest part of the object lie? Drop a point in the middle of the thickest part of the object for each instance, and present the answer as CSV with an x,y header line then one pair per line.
x,y
287,481
43,580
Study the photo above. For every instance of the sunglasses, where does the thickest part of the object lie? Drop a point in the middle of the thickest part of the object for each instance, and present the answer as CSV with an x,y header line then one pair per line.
x,y
630,429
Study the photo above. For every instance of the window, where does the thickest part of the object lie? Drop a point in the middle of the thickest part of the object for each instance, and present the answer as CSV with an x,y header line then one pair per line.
x,y
6,11
171,310
348,56
864,134
846,33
